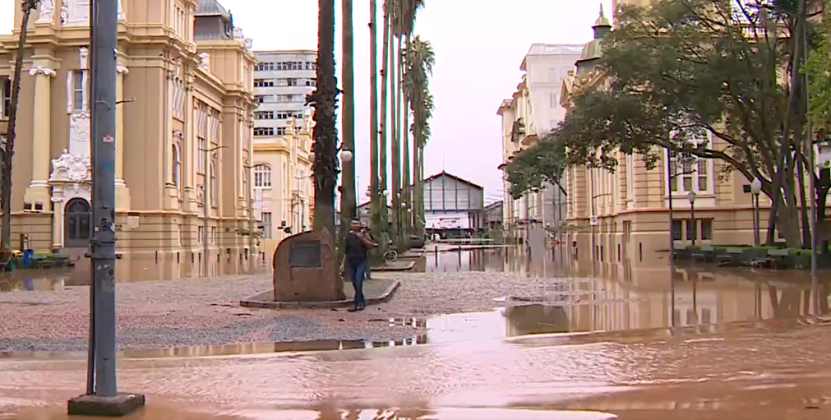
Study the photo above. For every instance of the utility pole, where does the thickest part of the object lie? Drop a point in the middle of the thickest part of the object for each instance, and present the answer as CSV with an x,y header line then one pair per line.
x,y
104,41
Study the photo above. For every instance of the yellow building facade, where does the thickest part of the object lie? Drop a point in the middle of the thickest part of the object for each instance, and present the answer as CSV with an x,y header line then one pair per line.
x,y
183,139
624,215
283,187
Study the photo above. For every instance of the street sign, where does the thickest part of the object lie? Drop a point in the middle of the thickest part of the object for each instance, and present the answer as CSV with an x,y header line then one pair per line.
x,y
594,221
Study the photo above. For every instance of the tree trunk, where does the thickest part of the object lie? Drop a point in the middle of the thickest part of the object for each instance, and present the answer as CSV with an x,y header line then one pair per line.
x,y
382,165
417,179
803,201
395,147
347,197
324,101
6,188
405,142
375,201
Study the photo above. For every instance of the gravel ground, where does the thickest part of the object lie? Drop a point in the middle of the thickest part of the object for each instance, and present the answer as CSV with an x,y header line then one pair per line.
x,y
207,312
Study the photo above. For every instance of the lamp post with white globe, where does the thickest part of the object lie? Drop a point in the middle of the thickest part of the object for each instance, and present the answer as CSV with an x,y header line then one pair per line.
x,y
756,189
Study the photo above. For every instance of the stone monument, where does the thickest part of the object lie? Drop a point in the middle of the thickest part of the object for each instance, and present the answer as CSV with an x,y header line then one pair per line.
x,y
305,269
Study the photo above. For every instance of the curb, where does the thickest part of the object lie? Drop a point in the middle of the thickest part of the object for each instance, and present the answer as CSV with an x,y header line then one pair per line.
x,y
384,268
254,302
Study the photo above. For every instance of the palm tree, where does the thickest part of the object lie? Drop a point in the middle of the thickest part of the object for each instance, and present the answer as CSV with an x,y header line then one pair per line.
x,y
395,105
347,197
403,26
420,60
27,6
382,144
324,100
375,202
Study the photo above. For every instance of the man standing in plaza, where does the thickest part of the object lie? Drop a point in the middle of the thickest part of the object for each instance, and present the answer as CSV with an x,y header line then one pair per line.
x,y
356,246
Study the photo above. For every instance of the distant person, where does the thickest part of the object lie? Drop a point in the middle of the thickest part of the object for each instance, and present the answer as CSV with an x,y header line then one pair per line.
x,y
356,245
371,238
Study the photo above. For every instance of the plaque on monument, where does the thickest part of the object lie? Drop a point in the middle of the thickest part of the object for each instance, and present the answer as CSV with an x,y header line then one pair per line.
x,y
305,254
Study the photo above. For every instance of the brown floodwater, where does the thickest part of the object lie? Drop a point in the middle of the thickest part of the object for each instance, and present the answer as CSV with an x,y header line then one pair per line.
x,y
628,341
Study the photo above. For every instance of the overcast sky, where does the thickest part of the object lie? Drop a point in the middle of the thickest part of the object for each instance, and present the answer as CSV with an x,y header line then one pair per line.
x,y
479,46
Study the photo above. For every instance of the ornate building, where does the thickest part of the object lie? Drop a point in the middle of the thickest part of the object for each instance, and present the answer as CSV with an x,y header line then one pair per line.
x,y
183,137
624,216
283,187
534,110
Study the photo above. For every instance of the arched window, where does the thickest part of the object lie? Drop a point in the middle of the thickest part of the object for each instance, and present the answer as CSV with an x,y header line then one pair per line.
x,y
177,166
262,176
214,188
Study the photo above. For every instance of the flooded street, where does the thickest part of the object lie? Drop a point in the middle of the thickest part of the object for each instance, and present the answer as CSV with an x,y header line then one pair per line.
x,y
542,339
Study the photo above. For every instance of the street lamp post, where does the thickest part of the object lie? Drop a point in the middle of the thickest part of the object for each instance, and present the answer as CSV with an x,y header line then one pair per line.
x,y
756,189
691,197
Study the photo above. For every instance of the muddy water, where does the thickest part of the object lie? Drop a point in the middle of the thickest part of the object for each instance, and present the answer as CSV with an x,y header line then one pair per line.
x,y
636,342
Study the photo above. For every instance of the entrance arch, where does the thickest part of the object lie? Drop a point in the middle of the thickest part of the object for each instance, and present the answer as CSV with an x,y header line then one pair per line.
x,y
77,223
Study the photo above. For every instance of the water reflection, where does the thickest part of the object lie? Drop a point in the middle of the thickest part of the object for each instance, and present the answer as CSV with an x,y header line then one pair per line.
x,y
130,268
613,297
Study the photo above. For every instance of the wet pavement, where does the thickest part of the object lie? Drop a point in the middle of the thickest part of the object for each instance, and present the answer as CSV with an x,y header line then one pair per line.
x,y
589,343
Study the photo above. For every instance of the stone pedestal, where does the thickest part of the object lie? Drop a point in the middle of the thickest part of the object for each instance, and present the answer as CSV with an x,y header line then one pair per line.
x,y
93,405
305,269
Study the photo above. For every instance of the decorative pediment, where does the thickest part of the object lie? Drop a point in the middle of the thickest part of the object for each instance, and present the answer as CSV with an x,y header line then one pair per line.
x,y
71,168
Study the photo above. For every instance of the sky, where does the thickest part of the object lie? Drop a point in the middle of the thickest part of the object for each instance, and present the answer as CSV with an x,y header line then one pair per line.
x,y
479,45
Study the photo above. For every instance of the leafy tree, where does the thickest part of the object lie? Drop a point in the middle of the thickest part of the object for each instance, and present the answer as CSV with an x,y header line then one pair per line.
x,y
540,164
685,70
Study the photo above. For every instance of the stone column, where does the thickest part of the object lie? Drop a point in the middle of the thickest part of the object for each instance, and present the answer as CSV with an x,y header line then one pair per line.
x,y
57,222
38,191
122,194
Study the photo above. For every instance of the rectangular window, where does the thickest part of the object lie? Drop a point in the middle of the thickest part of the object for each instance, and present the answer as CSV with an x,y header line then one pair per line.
x,y
311,82
281,131
553,75
200,234
6,95
200,159
264,66
706,229
694,172
552,98
692,233
291,82
264,115
630,172
264,131
78,91
259,83
213,235
266,225
259,99
677,230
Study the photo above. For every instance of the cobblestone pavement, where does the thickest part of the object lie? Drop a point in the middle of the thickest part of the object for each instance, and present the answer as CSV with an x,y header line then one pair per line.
x,y
206,312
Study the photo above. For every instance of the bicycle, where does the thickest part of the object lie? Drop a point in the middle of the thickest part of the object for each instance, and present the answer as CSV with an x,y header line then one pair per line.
x,y
391,254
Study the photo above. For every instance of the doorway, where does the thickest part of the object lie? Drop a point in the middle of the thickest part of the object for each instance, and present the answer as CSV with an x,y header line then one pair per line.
x,y
77,223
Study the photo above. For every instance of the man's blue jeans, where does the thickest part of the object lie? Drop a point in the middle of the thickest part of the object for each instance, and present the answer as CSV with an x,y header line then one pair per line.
x,y
358,273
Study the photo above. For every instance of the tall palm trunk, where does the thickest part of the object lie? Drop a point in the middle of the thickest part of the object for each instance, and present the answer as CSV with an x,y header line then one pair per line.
x,y
382,164
417,178
324,101
403,129
375,201
347,197
395,104
6,189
